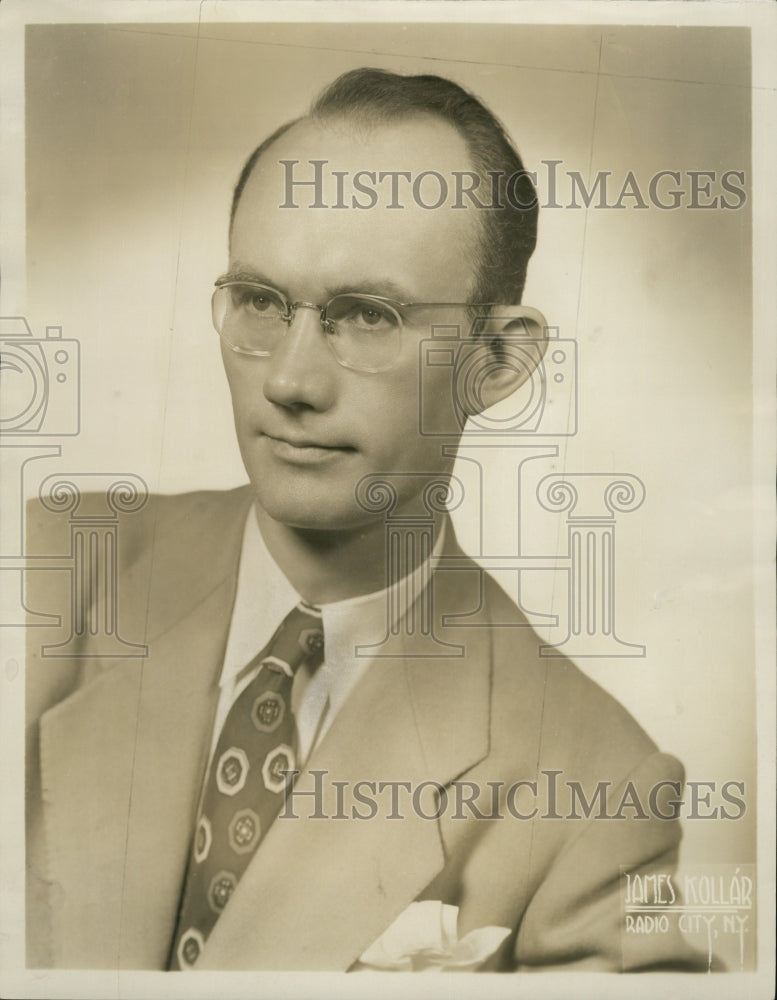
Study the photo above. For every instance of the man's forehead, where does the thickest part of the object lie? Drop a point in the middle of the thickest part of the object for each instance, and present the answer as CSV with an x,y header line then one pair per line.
x,y
321,202
417,144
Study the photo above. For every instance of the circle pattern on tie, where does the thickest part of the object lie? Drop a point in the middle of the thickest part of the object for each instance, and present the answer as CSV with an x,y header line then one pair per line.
x,y
279,666
189,948
277,761
311,640
232,771
246,780
244,831
268,711
202,839
221,887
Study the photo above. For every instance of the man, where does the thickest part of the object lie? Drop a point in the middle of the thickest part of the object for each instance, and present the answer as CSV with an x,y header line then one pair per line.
x,y
157,837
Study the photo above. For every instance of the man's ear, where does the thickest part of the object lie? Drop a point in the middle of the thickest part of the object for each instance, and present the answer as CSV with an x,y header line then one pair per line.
x,y
510,345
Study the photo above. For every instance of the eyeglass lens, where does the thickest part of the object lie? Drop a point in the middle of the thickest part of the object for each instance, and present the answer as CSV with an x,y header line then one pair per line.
x,y
362,332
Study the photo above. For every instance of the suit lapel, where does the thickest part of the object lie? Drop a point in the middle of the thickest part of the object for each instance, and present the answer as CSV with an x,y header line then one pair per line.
x,y
122,760
122,763
320,890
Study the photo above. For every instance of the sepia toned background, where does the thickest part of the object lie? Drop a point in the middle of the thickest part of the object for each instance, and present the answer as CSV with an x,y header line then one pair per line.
x,y
135,135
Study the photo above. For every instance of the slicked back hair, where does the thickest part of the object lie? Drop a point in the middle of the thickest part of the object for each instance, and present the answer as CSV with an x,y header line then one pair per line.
x,y
508,232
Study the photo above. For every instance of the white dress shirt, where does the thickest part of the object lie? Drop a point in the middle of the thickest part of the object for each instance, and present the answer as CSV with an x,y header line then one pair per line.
x,y
263,599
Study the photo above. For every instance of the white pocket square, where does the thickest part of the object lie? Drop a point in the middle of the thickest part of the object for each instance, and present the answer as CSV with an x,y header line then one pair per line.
x,y
424,938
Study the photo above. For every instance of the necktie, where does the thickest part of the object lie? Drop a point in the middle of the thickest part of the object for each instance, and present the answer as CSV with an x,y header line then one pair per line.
x,y
245,785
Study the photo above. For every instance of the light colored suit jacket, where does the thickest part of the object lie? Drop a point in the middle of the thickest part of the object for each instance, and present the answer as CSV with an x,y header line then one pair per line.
x,y
117,747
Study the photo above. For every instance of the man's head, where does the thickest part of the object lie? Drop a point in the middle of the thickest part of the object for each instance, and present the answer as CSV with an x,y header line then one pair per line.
x,y
507,235
311,424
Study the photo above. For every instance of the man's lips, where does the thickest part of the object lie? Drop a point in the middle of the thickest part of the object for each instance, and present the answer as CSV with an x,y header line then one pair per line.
x,y
304,442
303,450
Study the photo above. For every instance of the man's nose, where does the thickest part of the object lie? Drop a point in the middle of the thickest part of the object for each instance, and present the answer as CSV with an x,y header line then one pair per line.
x,y
302,370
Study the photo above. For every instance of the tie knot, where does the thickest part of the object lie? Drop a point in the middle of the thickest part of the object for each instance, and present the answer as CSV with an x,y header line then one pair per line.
x,y
299,639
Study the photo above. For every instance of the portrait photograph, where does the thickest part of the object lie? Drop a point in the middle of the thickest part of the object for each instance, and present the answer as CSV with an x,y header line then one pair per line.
x,y
387,433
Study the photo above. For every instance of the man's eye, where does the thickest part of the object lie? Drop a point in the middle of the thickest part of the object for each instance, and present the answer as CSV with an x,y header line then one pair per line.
x,y
260,303
255,301
363,317
371,317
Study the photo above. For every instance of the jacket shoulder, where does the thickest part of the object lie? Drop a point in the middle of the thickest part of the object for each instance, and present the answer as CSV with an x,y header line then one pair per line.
x,y
47,524
577,723
167,550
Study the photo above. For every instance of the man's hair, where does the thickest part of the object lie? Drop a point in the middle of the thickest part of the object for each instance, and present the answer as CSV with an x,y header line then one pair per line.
x,y
508,232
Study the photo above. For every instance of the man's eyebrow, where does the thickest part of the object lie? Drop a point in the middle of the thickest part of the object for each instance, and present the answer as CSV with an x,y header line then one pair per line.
x,y
238,270
384,288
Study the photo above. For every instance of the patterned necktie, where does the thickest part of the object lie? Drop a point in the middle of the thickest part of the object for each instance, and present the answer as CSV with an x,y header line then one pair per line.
x,y
245,785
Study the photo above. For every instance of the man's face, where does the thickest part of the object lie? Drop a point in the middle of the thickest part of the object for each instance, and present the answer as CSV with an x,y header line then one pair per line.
x,y
309,429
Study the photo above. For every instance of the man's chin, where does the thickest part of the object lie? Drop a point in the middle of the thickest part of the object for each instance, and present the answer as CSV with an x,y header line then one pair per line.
x,y
303,513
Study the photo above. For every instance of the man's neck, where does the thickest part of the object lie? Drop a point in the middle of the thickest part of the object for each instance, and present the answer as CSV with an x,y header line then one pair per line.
x,y
327,566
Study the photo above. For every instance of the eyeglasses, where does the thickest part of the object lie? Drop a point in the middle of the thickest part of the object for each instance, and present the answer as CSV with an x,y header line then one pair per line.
x,y
364,332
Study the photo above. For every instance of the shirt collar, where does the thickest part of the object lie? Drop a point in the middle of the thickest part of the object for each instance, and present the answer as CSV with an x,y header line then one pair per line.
x,y
265,596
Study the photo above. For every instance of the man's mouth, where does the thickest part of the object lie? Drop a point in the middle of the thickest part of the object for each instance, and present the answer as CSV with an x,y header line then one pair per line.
x,y
304,451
